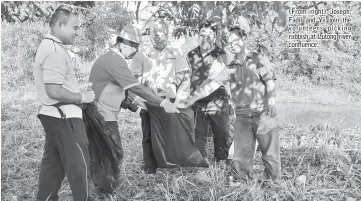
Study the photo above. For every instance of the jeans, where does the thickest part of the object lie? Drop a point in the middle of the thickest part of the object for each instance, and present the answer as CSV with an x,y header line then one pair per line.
x,y
245,141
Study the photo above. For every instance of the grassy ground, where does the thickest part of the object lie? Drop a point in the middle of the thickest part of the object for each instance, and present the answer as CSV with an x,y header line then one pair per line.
x,y
329,158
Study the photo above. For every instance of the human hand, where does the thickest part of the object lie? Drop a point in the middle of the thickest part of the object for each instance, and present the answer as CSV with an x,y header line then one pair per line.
x,y
168,106
185,103
181,104
271,110
87,96
140,101
155,87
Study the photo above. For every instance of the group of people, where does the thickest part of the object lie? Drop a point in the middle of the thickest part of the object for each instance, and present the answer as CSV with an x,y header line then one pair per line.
x,y
157,76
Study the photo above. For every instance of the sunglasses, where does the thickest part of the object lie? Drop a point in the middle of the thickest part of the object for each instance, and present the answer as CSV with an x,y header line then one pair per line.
x,y
131,43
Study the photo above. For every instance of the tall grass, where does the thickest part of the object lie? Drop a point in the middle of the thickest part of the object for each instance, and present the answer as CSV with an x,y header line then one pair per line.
x,y
329,158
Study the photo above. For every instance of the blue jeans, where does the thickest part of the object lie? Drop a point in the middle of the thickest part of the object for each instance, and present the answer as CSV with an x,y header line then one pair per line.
x,y
245,141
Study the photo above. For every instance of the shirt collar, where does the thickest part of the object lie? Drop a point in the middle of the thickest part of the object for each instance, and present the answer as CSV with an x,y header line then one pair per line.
x,y
237,62
206,53
51,37
152,49
117,52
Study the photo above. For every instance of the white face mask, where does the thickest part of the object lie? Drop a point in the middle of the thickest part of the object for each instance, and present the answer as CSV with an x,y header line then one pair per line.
x,y
159,39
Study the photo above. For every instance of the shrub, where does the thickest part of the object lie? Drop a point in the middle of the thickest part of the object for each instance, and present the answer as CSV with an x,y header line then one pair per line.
x,y
21,40
19,45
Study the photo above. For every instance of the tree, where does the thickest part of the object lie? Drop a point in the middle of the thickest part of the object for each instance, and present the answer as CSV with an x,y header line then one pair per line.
x,y
269,22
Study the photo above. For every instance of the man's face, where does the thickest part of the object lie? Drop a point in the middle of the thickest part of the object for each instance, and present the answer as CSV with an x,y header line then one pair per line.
x,y
69,29
129,50
206,39
159,38
236,43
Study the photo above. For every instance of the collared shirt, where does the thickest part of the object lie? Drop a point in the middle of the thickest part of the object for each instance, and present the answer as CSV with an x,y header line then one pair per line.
x,y
53,66
248,92
110,77
158,67
200,70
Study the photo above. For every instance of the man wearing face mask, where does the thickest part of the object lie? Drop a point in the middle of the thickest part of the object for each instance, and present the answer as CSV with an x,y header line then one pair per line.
x,y
208,97
111,78
158,67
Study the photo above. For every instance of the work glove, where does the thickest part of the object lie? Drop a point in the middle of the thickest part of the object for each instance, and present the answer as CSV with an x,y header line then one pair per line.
x,y
87,96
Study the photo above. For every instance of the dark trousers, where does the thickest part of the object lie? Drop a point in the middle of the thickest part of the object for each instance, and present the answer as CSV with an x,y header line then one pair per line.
x,y
105,178
150,163
245,141
219,123
65,153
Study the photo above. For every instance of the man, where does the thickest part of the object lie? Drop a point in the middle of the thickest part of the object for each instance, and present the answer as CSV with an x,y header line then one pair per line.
x,y
111,78
209,98
159,67
66,143
253,92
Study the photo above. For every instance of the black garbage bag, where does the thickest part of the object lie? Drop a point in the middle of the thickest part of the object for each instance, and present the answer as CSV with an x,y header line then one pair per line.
x,y
173,138
105,146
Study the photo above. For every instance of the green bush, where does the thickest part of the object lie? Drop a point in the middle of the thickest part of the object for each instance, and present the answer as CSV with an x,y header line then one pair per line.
x,y
18,48
94,38
21,40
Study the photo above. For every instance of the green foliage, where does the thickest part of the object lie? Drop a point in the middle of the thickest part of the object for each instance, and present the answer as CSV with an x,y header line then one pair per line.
x,y
19,44
21,11
95,36
21,40
334,64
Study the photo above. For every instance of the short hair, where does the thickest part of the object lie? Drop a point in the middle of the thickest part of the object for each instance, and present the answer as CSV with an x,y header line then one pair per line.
x,y
159,24
208,24
62,13
238,31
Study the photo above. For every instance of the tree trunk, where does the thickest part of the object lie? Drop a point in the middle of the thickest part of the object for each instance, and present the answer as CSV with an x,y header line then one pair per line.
x,y
137,11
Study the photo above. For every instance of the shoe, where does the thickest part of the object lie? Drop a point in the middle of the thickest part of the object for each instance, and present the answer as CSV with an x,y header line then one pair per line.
x,y
149,170
278,183
234,182
90,199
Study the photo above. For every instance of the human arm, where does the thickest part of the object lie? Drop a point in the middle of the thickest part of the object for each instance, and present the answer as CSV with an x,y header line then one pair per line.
x,y
218,77
268,75
59,93
150,97
271,97
54,69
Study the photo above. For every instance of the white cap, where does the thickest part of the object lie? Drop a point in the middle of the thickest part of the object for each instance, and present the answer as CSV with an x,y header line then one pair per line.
x,y
130,33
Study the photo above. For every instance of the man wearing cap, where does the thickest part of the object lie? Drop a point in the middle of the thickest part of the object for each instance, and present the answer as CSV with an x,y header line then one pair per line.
x,y
253,93
66,143
158,67
208,95
111,78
